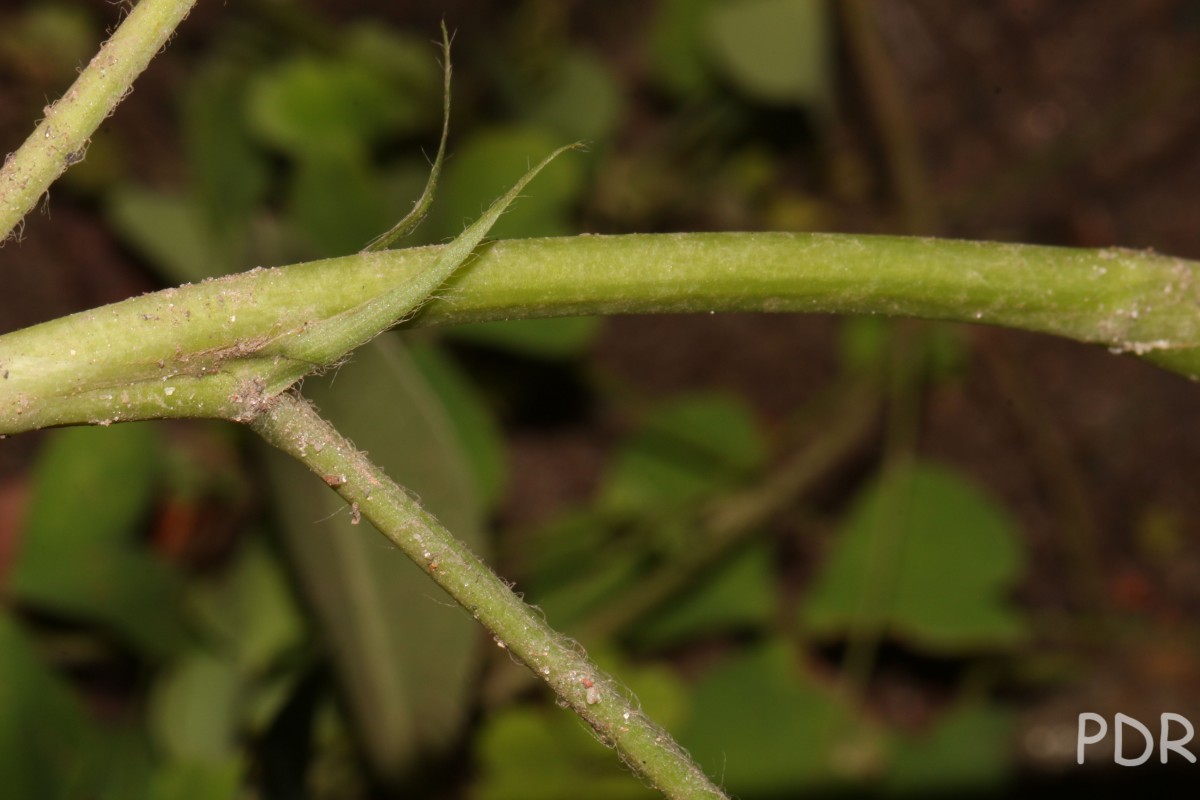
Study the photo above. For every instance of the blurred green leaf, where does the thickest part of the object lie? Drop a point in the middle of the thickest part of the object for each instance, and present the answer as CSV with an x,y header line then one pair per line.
x,y
960,555
120,764
945,349
44,733
197,781
194,709
675,47
405,655
466,408
50,748
970,751
685,448
53,38
335,768
167,229
322,107
555,338
268,696
92,486
573,565
583,100
776,51
488,164
561,545
864,346
80,553
772,729
204,233
228,172
863,343
337,203
563,750
249,610
407,61
739,594
513,743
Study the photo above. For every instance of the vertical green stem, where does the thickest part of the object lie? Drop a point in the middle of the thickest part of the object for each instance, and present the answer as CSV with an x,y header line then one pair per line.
x,y
888,529
292,425
63,135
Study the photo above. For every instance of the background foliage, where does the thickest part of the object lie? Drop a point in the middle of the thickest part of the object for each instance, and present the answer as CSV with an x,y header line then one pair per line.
x,y
831,554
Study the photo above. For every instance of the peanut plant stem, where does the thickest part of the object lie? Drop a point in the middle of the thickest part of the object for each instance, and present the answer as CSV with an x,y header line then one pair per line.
x,y
291,424
208,349
63,135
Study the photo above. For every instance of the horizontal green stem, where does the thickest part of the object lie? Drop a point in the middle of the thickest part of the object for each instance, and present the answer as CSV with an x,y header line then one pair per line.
x,y
62,137
192,351
292,425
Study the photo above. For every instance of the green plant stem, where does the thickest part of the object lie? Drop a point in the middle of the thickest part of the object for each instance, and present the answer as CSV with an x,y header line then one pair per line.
x,y
202,350
291,424
63,135
890,113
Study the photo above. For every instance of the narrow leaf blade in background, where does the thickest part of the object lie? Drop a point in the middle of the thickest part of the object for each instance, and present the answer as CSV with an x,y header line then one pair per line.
x,y
404,654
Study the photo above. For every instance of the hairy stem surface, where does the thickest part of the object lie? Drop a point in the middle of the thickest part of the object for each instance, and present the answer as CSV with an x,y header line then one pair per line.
x,y
213,349
292,425
63,135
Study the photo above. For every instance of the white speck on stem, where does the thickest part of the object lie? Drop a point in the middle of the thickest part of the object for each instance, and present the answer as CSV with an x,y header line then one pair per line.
x,y
168,390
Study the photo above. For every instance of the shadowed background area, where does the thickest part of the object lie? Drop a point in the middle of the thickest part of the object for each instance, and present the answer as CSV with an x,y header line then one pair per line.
x,y
833,555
